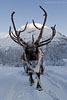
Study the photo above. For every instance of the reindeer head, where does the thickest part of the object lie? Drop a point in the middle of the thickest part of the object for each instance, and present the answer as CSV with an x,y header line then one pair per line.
x,y
33,48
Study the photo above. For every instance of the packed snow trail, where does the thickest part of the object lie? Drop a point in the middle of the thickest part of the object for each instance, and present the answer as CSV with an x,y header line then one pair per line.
x,y
14,84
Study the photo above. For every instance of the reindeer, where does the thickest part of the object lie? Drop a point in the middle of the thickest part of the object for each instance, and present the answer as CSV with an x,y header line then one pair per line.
x,y
32,56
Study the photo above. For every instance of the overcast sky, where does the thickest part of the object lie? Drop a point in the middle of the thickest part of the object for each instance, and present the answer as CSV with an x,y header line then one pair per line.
x,y
26,10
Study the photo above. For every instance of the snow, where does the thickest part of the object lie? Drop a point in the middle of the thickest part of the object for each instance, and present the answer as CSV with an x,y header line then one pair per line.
x,y
14,84
29,26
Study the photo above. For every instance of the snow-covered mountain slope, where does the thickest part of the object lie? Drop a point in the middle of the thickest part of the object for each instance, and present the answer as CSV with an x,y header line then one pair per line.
x,y
55,52
14,84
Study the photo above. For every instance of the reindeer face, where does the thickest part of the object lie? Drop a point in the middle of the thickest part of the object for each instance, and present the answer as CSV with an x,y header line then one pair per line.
x,y
32,53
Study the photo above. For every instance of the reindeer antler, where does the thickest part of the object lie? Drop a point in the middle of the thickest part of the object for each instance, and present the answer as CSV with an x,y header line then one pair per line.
x,y
45,42
41,29
16,36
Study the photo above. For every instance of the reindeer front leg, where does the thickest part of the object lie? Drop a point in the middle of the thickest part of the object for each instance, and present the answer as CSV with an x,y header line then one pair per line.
x,y
31,80
38,87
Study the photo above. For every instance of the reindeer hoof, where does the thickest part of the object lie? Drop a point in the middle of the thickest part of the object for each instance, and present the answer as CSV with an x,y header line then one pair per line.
x,y
39,88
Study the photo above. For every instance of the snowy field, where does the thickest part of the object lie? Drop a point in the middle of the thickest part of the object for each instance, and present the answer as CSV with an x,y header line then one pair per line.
x,y
14,84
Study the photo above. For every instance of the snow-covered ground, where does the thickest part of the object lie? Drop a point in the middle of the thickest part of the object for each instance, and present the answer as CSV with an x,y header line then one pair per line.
x,y
14,84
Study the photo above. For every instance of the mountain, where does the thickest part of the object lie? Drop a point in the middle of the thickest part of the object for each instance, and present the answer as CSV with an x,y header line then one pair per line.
x,y
55,52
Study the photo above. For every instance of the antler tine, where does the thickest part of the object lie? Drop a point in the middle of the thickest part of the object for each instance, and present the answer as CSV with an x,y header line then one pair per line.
x,y
24,28
54,30
41,30
53,34
50,39
15,27
17,40
32,39
45,19
35,25
12,37
13,22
